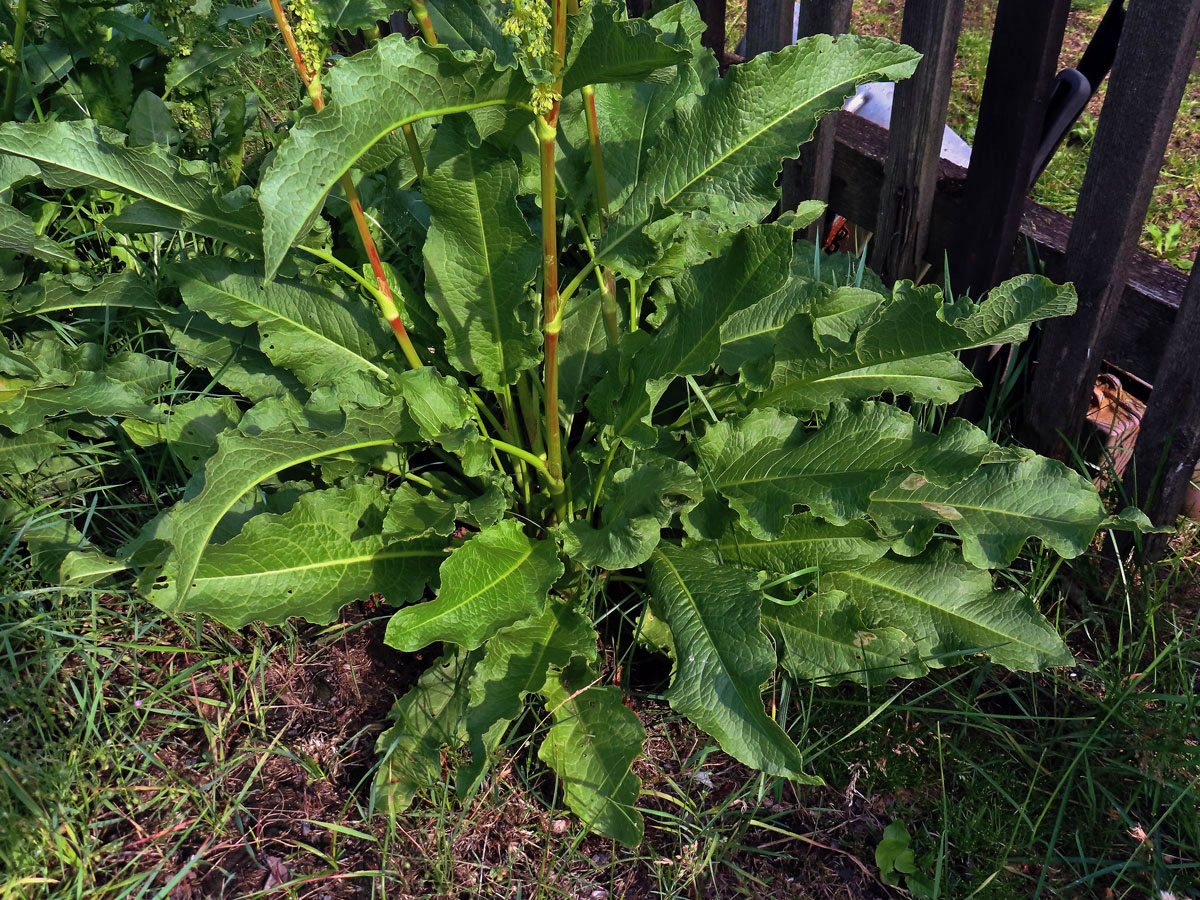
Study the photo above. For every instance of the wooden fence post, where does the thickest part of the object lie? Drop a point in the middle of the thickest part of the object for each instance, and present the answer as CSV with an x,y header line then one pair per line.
x,y
915,139
713,14
768,25
809,179
1026,41
1168,443
1155,57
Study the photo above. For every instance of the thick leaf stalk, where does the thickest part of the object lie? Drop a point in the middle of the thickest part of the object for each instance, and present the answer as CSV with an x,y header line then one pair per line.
x,y
608,284
20,14
385,299
421,12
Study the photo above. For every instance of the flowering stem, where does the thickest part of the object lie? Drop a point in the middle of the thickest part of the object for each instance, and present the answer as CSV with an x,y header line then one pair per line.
x,y
422,13
387,303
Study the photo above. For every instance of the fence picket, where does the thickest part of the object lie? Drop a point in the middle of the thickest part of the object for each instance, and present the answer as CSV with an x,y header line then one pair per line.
x,y
1155,57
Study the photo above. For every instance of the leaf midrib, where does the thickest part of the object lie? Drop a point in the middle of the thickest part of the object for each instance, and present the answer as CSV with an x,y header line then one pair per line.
x,y
341,561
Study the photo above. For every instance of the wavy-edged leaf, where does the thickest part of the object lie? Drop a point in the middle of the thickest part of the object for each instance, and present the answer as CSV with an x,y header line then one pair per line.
x,y
516,663
428,718
591,746
748,336
767,463
907,347
21,454
480,257
443,412
146,216
824,639
722,657
604,46
247,457
496,578
635,505
724,152
418,81
472,25
995,511
80,154
231,354
50,294
582,346
322,334
191,429
949,607
804,541
18,235
309,562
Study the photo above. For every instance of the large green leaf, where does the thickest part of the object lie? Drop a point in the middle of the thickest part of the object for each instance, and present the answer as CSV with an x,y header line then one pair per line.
x,y
231,354
309,562
81,154
473,25
753,265
480,257
496,578
418,81
23,453
635,504
19,235
245,459
591,745
804,541
428,718
724,152
444,413
49,294
768,463
606,46
994,511
824,639
516,663
191,429
949,607
907,345
722,657
322,334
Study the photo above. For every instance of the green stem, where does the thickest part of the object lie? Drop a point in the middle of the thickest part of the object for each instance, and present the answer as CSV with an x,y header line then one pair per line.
x,y
14,74
536,461
422,13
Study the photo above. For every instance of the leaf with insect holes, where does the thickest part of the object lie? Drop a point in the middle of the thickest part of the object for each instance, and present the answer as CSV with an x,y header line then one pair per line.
x,y
907,345
83,154
724,152
190,431
603,45
591,746
497,577
320,333
247,457
822,638
480,257
419,81
325,552
516,663
428,718
722,657
753,265
995,511
949,607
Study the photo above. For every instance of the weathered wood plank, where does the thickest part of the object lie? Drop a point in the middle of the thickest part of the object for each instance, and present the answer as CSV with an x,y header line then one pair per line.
x,y
808,179
1153,62
1152,292
1026,40
1168,444
915,139
713,14
768,25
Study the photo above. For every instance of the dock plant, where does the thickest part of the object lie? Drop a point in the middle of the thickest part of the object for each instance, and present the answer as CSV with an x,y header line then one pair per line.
x,y
503,332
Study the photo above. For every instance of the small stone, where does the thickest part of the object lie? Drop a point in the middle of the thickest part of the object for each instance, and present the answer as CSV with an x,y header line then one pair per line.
x,y
598,894
559,826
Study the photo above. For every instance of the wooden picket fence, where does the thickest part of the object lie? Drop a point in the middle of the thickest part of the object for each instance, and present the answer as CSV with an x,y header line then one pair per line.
x,y
1136,315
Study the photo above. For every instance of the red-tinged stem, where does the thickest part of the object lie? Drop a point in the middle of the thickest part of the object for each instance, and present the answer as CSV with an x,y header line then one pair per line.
x,y
387,303
423,22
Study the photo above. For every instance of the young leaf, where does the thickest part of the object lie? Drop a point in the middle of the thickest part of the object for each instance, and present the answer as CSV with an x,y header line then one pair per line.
x,y
724,152
516,663
994,511
248,457
636,504
428,718
309,562
603,45
480,257
442,410
722,657
948,606
823,639
497,577
419,81
591,746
